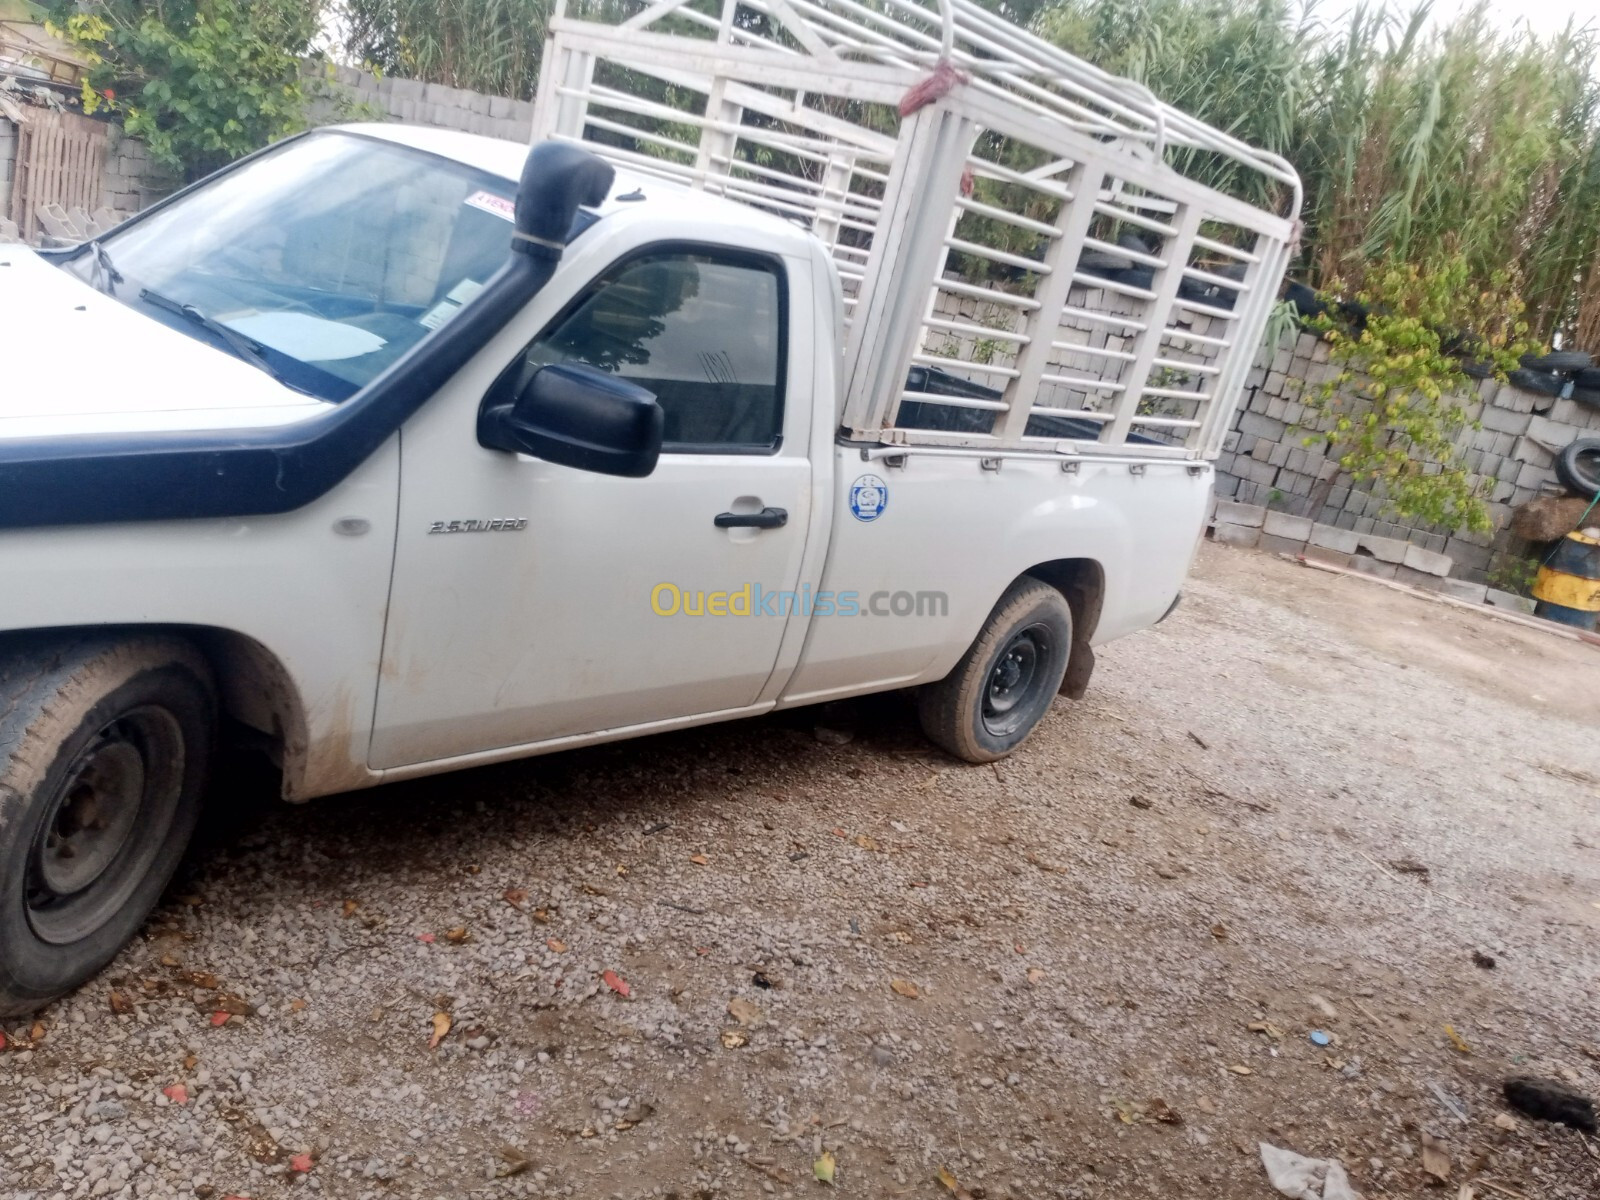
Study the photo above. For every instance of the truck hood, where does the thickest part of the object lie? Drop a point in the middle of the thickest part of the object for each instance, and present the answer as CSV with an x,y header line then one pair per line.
x,y
73,360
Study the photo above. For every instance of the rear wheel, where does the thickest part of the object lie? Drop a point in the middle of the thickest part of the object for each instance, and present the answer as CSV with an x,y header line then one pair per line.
x,y
104,750
1003,685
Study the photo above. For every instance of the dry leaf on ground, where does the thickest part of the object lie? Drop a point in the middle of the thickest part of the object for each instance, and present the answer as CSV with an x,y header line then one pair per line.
x,y
457,935
866,842
905,988
177,1093
1459,1042
732,1039
441,1026
1238,1069
955,1189
556,944
616,983
742,1011
824,1167
515,896
1435,1158
350,907
700,860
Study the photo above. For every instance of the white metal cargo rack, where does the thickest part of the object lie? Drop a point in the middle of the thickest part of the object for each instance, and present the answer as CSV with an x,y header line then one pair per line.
x,y
1041,259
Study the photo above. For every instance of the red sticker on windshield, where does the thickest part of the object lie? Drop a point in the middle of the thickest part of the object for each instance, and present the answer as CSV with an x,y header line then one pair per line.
x,y
490,203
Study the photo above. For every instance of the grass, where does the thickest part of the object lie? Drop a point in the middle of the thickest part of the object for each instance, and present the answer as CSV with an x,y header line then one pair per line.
x,y
1415,141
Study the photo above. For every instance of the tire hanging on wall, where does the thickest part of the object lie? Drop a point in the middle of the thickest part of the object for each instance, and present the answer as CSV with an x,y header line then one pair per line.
x,y
1578,467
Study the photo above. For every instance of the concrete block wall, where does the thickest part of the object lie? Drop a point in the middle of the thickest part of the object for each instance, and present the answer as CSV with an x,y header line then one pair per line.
x,y
132,180
1266,462
8,164
418,103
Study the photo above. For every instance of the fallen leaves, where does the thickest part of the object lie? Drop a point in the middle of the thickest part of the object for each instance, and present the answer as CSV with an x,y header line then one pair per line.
x,y
1435,1158
516,897
426,938
441,1027
732,1039
616,983
350,907
556,944
120,1004
742,1011
220,1018
300,1164
904,987
1267,1029
700,860
177,1093
516,1162
1035,976
946,1177
1241,1069
1505,1121
1456,1040
1219,931
1131,1112
825,1167
866,842
458,935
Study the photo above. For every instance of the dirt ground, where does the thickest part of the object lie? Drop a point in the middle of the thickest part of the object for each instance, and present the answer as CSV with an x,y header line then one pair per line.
x,y
1304,803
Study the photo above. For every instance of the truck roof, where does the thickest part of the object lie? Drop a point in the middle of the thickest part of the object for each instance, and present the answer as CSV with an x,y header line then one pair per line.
x,y
666,199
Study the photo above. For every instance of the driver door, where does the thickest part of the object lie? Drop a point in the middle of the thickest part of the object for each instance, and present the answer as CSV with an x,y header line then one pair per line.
x,y
534,602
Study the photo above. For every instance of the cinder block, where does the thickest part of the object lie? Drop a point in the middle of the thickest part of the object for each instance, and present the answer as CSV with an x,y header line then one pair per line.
x,y
1281,545
1414,577
1499,599
1329,537
1233,513
1429,562
1254,424
1467,555
1376,567
1459,589
1286,525
1243,536
1384,549
1504,420
1529,450
501,107
1532,476
1324,555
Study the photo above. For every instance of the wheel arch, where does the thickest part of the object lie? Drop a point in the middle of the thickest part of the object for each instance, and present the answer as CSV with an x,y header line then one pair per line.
x,y
254,688
1082,582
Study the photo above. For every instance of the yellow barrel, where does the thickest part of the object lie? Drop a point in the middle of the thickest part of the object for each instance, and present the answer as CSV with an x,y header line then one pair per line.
x,y
1568,587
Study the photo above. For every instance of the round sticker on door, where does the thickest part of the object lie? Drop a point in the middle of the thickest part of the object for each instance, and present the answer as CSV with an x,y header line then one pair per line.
x,y
869,495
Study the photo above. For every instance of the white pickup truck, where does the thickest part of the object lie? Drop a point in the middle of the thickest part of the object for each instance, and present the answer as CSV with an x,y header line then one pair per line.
x,y
811,352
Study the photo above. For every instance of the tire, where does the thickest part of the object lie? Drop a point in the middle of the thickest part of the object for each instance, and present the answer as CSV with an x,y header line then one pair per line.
x,y
1589,397
1578,467
1558,360
1588,380
1542,383
1003,685
105,746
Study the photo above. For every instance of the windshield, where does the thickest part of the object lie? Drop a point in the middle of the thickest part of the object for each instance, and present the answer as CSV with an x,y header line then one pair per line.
x,y
333,255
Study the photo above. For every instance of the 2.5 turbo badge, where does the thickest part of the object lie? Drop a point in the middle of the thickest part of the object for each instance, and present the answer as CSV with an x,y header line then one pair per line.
x,y
480,525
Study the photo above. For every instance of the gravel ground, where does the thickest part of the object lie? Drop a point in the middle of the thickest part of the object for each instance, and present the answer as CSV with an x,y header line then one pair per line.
x,y
1301,804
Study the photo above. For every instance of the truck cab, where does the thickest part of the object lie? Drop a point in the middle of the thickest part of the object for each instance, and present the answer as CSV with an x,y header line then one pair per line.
x,y
403,450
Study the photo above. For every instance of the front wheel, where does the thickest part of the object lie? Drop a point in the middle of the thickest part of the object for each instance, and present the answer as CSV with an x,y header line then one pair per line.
x,y
1003,685
105,746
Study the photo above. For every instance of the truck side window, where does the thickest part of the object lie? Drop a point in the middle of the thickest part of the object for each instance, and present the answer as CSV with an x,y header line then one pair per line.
x,y
704,332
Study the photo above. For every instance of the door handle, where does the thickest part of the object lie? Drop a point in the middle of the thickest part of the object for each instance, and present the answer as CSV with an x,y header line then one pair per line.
x,y
767,518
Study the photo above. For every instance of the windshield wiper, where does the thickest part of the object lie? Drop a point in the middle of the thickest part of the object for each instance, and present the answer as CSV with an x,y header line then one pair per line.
x,y
106,275
242,346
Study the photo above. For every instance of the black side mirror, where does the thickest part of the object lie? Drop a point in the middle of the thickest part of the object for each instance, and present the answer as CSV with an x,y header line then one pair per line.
x,y
576,416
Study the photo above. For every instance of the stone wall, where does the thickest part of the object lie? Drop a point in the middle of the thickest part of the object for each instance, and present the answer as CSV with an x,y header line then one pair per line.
x,y
1266,462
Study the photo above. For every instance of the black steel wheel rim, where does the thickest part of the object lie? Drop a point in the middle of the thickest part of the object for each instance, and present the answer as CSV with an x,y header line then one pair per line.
x,y
1015,679
105,825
